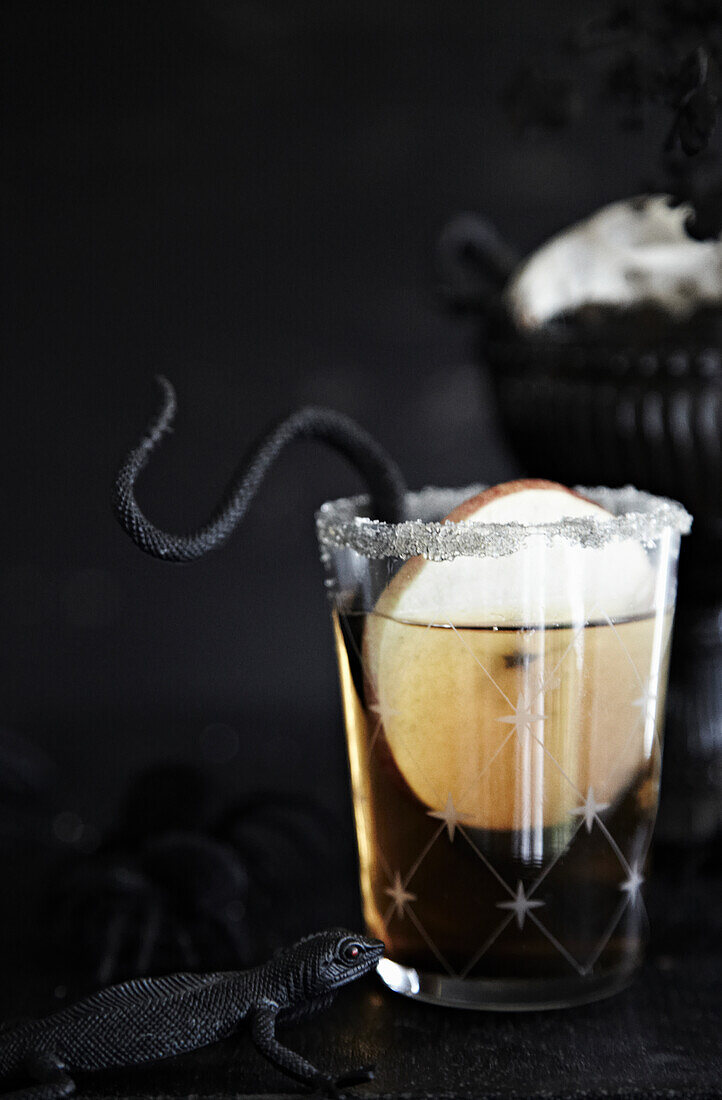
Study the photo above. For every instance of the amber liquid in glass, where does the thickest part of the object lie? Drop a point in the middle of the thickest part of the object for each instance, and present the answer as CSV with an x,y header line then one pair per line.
x,y
505,786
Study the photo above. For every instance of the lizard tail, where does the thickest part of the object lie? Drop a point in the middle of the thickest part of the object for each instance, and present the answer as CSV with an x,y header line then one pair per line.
x,y
344,435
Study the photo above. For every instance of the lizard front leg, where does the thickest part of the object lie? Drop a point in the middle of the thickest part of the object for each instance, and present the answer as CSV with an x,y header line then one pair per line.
x,y
53,1082
263,1032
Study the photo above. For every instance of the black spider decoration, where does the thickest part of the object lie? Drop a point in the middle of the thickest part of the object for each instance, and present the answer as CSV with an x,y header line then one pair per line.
x,y
177,901
634,54
177,888
694,104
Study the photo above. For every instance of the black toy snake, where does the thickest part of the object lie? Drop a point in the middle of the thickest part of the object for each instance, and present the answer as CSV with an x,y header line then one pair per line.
x,y
333,428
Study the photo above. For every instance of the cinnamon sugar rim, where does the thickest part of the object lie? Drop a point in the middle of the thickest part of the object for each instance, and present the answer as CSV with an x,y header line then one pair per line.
x,y
635,515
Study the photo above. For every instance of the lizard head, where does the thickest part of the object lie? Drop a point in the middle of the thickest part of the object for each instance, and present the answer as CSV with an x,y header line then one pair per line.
x,y
333,958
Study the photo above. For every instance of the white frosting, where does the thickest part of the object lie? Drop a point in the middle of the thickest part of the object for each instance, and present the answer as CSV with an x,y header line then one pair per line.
x,y
631,252
542,582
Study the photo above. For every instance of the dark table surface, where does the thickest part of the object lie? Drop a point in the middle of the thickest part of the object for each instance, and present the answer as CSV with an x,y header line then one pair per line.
x,y
659,1038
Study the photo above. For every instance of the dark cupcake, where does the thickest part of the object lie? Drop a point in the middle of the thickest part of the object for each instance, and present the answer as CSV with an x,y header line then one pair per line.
x,y
618,390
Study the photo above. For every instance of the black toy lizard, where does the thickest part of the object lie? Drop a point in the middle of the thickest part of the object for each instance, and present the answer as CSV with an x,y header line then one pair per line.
x,y
147,1019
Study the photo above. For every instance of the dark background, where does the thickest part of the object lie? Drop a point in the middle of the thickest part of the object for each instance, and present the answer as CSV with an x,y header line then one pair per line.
x,y
244,196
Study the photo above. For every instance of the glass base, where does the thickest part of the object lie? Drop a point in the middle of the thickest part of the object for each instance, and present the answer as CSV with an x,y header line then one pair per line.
x,y
502,994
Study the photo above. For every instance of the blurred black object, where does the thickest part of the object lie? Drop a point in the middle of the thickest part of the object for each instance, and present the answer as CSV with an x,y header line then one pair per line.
x,y
27,783
608,398
180,885
29,819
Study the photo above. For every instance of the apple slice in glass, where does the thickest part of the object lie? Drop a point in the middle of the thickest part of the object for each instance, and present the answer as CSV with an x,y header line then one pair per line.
x,y
511,684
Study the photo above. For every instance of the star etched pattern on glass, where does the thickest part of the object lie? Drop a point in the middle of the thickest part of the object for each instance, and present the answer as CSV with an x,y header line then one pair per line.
x,y
548,882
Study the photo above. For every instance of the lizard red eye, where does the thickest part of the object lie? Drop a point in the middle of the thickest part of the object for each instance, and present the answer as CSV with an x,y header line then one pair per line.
x,y
350,952
353,952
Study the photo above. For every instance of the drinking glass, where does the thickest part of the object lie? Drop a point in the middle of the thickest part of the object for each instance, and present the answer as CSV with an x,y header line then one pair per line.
x,y
503,691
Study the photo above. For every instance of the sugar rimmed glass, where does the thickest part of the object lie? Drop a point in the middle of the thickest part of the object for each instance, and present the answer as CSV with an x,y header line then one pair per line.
x,y
503,691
